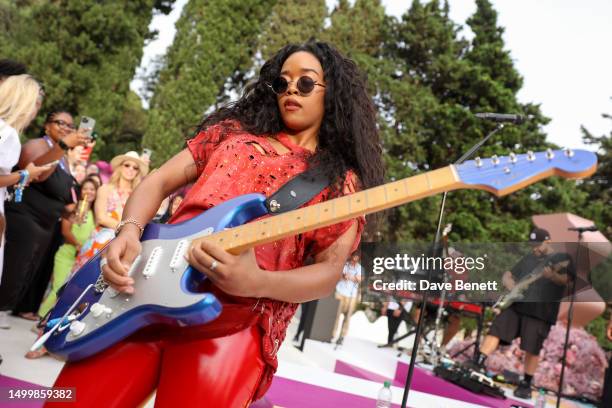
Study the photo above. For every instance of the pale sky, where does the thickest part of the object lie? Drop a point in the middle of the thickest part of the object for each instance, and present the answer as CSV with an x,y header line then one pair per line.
x,y
558,46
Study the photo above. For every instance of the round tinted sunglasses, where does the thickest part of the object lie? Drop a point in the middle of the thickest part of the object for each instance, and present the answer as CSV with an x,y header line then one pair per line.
x,y
305,85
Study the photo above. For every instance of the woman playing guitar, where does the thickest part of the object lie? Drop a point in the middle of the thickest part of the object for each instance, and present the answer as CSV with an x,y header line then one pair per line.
x,y
309,107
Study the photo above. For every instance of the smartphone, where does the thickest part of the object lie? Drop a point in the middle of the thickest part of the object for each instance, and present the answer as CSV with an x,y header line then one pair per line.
x,y
51,164
87,123
147,153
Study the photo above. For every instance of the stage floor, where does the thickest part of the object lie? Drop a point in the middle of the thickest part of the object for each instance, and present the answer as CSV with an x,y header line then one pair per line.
x,y
319,377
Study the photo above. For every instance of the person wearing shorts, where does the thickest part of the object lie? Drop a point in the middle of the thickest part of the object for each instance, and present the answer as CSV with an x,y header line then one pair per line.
x,y
532,318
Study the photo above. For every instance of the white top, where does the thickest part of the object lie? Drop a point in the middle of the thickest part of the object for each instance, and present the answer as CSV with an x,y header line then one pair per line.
x,y
10,149
346,287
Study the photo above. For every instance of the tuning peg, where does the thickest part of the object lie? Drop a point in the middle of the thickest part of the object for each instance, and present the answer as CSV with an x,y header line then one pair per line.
x,y
495,160
512,157
478,162
549,154
530,156
568,152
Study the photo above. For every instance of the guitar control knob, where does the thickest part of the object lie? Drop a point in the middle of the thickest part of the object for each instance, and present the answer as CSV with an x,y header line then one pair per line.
x,y
530,156
77,327
97,309
550,154
495,160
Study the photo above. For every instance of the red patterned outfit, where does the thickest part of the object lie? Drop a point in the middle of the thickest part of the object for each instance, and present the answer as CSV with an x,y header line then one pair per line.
x,y
198,366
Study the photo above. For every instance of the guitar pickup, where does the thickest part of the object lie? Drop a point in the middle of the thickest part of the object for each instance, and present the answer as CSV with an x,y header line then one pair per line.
x,y
153,262
134,265
178,258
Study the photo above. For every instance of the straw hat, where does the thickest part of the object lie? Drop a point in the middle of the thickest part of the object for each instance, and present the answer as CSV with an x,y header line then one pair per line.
x,y
131,156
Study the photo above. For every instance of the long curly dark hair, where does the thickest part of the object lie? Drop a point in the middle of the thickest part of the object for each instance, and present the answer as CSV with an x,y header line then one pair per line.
x,y
348,138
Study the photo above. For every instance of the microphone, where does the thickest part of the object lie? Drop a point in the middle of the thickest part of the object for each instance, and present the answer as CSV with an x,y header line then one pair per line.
x,y
502,117
592,228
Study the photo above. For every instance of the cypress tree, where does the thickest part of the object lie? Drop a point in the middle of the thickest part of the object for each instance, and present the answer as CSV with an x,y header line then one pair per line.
x,y
214,47
291,22
461,78
599,187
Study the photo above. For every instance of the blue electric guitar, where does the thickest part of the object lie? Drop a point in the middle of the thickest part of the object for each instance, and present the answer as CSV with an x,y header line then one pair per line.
x,y
90,316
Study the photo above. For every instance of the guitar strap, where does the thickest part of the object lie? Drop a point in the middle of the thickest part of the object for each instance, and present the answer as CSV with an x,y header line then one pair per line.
x,y
297,191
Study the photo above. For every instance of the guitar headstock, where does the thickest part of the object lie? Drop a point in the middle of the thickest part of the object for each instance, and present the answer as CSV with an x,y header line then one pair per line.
x,y
505,174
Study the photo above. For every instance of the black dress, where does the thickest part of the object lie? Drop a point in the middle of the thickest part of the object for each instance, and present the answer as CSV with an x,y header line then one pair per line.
x,y
32,228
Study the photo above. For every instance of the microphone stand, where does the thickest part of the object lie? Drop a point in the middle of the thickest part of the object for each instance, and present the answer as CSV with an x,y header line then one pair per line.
x,y
569,321
436,243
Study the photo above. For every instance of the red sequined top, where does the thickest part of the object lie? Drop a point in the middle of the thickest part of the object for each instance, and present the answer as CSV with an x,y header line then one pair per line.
x,y
231,166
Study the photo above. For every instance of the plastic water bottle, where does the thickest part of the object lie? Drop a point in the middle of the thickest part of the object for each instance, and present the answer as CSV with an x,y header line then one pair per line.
x,y
384,396
541,400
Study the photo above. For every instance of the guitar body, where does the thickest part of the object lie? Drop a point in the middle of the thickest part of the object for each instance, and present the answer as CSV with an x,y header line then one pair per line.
x,y
517,291
165,286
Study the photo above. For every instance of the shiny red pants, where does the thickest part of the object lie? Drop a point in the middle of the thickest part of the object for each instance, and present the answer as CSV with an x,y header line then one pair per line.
x,y
220,372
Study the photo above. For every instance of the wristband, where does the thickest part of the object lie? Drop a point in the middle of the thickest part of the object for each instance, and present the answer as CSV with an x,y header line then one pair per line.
x,y
63,145
24,176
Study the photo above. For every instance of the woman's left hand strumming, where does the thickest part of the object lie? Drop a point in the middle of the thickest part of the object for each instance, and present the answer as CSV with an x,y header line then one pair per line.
x,y
237,275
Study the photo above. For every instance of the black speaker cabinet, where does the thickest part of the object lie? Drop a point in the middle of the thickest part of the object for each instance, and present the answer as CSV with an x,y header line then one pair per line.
x,y
321,319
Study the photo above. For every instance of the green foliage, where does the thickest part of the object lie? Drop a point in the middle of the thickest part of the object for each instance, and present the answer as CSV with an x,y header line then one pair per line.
x,y
435,125
599,187
426,81
291,22
598,328
133,125
85,52
215,45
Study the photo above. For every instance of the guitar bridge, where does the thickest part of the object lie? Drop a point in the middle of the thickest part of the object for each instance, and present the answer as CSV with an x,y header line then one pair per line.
x,y
100,285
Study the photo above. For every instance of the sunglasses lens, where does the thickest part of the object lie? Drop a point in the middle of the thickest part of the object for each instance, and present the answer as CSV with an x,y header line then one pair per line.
x,y
305,85
279,85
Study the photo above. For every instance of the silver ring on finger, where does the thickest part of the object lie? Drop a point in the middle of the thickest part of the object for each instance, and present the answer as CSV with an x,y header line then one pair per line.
x,y
103,262
213,265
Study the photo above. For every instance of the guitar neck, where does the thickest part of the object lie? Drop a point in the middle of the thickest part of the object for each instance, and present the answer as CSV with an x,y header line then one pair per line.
x,y
523,284
330,212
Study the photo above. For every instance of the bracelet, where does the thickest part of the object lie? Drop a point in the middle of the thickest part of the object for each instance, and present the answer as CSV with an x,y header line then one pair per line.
x,y
129,221
24,176
63,145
